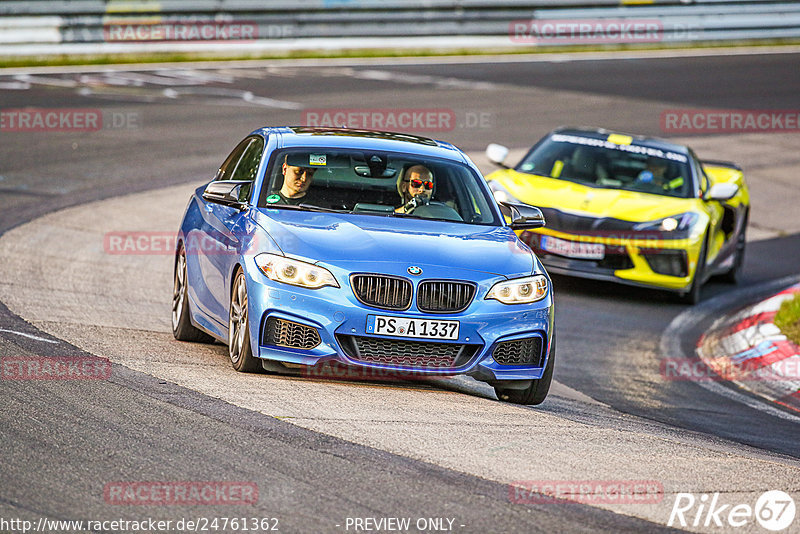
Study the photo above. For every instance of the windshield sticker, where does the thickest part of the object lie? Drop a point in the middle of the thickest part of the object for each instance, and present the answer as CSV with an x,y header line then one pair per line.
x,y
317,159
272,199
636,149
618,139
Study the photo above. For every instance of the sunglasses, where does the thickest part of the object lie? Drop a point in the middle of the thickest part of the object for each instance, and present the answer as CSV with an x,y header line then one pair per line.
x,y
419,183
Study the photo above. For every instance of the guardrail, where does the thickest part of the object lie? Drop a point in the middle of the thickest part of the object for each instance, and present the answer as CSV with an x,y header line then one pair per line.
x,y
507,22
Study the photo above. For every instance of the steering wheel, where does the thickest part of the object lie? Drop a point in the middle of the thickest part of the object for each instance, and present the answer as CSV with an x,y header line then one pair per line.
x,y
417,201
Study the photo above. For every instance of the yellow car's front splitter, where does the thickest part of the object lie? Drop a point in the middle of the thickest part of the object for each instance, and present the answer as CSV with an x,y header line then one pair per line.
x,y
641,259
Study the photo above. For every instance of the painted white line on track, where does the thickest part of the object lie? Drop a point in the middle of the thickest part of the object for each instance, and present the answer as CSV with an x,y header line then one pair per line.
x,y
414,79
15,85
197,76
247,96
44,80
136,78
724,391
31,336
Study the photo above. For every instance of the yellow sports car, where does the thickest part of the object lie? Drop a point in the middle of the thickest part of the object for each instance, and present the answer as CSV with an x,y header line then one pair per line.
x,y
631,209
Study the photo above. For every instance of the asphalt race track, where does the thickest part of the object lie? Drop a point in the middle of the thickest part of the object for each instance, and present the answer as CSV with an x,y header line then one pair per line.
x,y
323,451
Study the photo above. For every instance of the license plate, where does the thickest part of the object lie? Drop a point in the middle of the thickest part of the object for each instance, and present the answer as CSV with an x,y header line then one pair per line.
x,y
384,325
571,249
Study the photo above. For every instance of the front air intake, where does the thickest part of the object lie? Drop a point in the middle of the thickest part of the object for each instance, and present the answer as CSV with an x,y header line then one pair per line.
x,y
283,333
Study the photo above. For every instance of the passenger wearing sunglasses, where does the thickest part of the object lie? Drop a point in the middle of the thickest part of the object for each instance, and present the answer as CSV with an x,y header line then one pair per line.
x,y
415,187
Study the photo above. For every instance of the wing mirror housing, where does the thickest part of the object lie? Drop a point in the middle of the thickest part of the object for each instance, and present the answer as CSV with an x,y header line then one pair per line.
x,y
523,217
497,154
231,193
723,191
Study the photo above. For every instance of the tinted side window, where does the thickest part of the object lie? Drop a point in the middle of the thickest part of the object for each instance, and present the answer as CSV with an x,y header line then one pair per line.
x,y
251,158
226,169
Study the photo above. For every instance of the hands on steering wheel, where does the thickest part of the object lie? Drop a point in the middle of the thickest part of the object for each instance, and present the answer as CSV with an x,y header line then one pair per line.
x,y
417,201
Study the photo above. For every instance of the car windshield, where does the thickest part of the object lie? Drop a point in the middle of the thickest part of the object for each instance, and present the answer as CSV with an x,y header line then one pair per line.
x,y
376,183
612,165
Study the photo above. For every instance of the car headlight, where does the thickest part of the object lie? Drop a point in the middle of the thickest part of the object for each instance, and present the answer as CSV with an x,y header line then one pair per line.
x,y
675,223
295,272
519,290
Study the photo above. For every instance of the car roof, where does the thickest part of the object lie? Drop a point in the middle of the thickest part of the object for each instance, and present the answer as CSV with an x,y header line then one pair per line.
x,y
640,140
303,136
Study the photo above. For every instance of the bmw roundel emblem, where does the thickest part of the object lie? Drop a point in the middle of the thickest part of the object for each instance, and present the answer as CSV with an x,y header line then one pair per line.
x,y
416,271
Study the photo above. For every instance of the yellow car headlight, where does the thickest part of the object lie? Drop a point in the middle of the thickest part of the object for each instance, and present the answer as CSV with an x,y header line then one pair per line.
x,y
680,222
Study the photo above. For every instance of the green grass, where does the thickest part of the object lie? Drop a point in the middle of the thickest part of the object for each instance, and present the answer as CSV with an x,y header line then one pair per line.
x,y
169,57
788,318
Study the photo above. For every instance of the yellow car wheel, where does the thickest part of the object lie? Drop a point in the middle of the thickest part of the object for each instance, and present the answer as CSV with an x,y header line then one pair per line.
x,y
732,276
692,296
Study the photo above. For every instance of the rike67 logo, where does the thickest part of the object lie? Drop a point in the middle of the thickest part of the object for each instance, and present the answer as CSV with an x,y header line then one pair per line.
x,y
774,510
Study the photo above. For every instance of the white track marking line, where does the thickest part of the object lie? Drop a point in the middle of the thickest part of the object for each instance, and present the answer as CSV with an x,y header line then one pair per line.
x,y
415,79
761,406
15,85
246,96
196,76
138,79
45,80
31,336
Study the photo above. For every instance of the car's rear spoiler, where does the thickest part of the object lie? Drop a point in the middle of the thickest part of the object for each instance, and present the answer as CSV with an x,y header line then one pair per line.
x,y
717,163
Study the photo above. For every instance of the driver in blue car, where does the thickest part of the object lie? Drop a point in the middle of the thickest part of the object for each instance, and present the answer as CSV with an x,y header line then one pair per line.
x,y
415,187
296,181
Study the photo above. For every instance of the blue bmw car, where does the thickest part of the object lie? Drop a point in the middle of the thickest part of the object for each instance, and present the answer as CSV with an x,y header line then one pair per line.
x,y
365,249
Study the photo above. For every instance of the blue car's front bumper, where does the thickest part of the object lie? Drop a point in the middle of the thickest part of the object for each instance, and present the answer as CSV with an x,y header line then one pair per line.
x,y
336,314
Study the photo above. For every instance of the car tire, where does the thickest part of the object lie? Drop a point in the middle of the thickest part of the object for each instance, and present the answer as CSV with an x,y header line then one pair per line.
x,y
182,327
692,296
733,274
537,391
239,350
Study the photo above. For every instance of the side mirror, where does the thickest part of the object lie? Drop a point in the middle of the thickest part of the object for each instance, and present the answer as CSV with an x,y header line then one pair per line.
x,y
722,192
497,154
231,193
523,217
